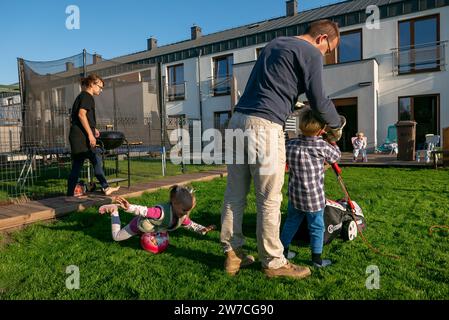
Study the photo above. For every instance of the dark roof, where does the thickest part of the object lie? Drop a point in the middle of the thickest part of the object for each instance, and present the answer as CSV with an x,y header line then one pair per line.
x,y
345,13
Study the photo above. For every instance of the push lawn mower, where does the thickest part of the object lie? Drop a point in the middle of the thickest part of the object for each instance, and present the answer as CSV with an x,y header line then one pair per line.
x,y
342,218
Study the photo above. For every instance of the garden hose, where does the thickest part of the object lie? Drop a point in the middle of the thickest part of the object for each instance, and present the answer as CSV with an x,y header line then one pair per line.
x,y
437,227
337,171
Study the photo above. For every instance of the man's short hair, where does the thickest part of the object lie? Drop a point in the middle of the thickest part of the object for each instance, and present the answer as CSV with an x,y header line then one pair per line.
x,y
310,123
323,27
90,80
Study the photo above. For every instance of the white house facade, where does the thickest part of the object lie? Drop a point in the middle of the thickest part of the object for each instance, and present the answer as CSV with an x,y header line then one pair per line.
x,y
391,65
377,76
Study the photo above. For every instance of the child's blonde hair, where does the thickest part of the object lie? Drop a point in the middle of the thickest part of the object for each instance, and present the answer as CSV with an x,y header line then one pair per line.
x,y
310,123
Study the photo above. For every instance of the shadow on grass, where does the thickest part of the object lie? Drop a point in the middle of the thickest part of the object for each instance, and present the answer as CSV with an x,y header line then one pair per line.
x,y
99,227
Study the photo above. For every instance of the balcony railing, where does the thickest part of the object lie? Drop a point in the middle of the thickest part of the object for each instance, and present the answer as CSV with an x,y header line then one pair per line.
x,y
176,91
419,58
220,85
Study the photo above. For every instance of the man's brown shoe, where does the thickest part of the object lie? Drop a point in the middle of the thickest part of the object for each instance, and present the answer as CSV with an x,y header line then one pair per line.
x,y
235,260
289,270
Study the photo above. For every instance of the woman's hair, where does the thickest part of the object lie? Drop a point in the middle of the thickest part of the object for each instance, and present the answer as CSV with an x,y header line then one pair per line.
x,y
182,195
90,80
323,27
310,123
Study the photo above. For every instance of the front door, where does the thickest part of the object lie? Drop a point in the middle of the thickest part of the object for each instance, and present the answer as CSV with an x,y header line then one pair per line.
x,y
348,109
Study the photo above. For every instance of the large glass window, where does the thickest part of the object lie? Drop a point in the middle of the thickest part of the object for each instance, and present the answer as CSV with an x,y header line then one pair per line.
x,y
222,74
419,47
350,48
425,111
176,85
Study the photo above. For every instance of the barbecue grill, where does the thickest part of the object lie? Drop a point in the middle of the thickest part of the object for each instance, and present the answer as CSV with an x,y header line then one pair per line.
x,y
111,139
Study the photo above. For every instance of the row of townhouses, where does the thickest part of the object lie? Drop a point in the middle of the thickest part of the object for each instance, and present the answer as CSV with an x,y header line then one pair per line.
x,y
10,120
390,66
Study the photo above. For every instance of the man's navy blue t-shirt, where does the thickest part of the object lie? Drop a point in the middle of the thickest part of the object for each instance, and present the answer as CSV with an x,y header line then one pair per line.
x,y
286,68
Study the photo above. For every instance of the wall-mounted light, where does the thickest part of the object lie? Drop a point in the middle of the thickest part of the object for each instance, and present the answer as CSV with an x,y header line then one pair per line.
x,y
365,84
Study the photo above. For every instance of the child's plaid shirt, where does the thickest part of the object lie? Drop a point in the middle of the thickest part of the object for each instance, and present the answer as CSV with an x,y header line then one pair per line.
x,y
305,158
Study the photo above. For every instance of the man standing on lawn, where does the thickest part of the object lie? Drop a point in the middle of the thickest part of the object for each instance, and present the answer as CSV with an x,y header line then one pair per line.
x,y
286,68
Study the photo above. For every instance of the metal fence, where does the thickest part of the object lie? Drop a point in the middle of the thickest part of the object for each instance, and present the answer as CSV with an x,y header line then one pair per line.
x,y
34,148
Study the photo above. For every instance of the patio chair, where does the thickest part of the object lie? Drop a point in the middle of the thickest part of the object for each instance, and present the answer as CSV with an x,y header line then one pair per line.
x,y
390,144
431,144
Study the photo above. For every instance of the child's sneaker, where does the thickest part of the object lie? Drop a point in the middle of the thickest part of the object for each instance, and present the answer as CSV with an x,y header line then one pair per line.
x,y
324,263
291,254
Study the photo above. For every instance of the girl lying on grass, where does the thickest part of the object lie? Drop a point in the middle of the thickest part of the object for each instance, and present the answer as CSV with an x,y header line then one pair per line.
x,y
153,223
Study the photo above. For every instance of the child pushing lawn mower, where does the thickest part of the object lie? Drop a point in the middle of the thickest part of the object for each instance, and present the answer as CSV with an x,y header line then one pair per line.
x,y
306,156
342,218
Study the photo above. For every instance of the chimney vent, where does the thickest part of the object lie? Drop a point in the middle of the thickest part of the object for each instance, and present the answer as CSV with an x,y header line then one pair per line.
x,y
195,32
292,8
151,43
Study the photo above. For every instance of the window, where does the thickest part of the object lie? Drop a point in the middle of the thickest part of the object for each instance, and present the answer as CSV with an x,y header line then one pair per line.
x,y
405,109
10,101
258,52
146,76
176,121
350,48
221,119
176,85
419,48
411,6
395,9
352,18
426,4
60,98
425,111
261,38
222,75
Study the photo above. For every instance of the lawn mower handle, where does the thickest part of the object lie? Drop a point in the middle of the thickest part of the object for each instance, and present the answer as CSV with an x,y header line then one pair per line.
x,y
336,168
337,171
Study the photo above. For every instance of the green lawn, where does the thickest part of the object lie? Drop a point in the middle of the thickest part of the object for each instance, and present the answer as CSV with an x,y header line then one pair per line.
x,y
399,204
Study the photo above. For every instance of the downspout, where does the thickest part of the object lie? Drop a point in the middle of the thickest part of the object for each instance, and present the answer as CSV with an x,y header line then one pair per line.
x,y
200,96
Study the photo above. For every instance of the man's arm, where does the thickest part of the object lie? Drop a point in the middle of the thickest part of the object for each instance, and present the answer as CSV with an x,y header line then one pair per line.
x,y
316,95
82,115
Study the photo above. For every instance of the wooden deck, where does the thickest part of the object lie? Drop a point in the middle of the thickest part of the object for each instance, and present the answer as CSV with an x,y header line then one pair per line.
x,y
382,160
17,215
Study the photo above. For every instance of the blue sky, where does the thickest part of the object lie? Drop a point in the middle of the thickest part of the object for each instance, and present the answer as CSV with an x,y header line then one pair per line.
x,y
36,30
